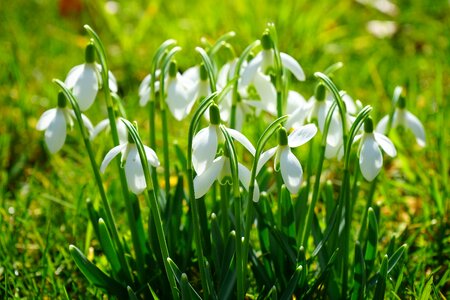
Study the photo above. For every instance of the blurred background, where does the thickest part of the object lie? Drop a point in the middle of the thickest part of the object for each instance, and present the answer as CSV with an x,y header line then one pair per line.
x,y
381,43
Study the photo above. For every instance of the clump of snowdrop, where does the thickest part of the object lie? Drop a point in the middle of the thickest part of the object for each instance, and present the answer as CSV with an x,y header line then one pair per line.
x,y
402,118
370,156
85,80
285,161
54,121
132,162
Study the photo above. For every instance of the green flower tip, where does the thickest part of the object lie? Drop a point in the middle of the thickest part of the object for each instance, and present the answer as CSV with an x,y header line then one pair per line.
x,y
214,114
173,69
401,102
368,125
203,73
89,55
282,136
62,101
266,41
320,92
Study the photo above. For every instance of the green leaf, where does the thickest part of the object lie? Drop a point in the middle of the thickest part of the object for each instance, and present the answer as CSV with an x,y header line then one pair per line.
x,y
187,290
372,240
131,294
359,274
95,275
292,284
287,213
380,289
108,247
395,258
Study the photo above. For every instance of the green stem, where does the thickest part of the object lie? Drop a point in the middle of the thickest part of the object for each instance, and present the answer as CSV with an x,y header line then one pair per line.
x,y
224,201
109,216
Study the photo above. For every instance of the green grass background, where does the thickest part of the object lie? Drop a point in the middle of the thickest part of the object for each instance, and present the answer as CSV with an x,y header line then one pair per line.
x,y
42,197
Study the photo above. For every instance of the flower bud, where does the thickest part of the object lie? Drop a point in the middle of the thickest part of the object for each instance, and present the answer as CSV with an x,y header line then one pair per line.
x,y
214,114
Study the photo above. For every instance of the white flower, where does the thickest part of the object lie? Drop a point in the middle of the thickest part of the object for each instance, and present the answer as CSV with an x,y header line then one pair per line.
x,y
370,157
205,144
104,124
85,80
54,121
199,88
285,160
145,88
403,118
133,167
220,169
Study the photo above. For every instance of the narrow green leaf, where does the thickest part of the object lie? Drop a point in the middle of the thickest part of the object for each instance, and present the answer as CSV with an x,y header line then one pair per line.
x,y
287,213
95,275
395,258
131,294
108,247
380,289
187,291
372,240
292,284
359,274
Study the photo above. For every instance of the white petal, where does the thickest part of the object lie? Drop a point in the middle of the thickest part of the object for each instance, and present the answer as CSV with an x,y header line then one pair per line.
x,y
349,103
416,127
88,124
302,135
264,157
294,101
134,172
382,125
292,65
370,158
322,110
110,155
334,136
385,144
152,158
291,170
297,118
267,92
55,135
144,96
46,118
204,147
242,139
112,82
249,72
203,181
244,177
86,87
176,99
193,74
102,125
122,131
145,84
73,75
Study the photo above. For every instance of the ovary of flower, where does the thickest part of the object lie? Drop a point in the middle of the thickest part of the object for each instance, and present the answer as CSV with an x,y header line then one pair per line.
x,y
220,169
205,144
85,81
134,171
54,121
104,124
370,156
403,118
285,160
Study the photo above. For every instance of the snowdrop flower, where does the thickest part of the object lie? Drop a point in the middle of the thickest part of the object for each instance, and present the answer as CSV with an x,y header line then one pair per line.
x,y
220,170
206,142
145,88
200,83
264,61
134,172
285,160
370,157
54,121
85,80
403,118
104,125
177,99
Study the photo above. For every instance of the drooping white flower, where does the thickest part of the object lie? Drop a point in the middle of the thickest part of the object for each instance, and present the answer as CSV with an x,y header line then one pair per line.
x,y
54,121
104,125
370,156
200,87
178,93
206,142
145,88
134,172
220,170
85,80
285,160
403,118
